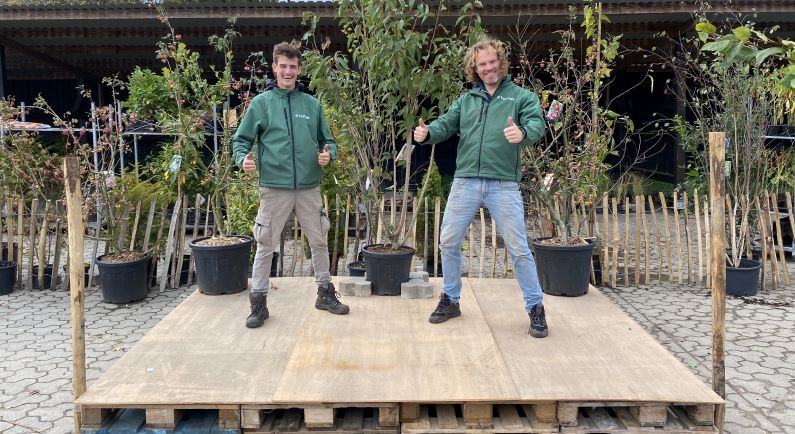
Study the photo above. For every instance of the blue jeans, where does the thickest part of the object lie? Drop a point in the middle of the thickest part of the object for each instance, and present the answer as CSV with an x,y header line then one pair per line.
x,y
504,202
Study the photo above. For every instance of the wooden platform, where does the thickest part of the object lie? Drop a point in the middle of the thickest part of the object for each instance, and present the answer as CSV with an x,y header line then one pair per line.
x,y
384,367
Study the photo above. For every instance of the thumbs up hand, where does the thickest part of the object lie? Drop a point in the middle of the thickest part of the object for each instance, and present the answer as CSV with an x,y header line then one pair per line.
x,y
421,132
513,133
324,157
249,166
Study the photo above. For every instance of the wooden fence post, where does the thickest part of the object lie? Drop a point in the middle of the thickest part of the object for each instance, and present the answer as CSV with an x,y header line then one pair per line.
x,y
74,209
717,191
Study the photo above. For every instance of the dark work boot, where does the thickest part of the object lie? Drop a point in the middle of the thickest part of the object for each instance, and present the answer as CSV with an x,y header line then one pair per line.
x,y
259,310
327,299
538,322
445,310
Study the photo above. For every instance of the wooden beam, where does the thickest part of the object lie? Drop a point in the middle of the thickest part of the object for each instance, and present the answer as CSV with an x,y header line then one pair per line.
x,y
74,218
717,190
46,58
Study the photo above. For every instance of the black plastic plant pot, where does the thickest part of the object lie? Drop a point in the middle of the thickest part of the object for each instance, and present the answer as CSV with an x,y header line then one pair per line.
x,y
8,273
357,269
563,270
123,282
222,269
387,270
743,280
47,276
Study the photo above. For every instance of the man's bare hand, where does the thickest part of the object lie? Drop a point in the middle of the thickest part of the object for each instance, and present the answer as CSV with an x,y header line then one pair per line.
x,y
249,166
324,157
420,132
513,133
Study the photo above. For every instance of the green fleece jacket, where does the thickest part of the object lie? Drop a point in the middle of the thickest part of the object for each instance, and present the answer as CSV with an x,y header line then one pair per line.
x,y
483,150
292,131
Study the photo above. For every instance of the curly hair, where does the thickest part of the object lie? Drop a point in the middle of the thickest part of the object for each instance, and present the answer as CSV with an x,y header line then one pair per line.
x,y
470,69
287,50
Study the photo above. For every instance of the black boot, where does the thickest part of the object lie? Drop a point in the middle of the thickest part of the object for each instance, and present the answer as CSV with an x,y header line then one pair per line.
x,y
538,322
259,310
327,300
445,310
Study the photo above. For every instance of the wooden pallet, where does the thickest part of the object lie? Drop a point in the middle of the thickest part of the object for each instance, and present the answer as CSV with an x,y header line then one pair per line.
x,y
349,420
134,420
478,418
610,418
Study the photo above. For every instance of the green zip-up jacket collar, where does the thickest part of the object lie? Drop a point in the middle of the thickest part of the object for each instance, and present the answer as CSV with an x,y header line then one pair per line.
x,y
290,130
479,119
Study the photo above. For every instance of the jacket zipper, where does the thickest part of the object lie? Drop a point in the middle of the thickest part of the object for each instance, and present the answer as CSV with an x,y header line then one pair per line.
x,y
292,139
484,114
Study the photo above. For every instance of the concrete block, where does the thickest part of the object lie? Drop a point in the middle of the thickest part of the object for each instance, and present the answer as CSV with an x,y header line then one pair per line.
x,y
355,287
416,288
419,275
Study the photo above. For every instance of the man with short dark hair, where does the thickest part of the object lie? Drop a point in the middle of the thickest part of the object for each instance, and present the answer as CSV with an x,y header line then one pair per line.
x,y
494,120
293,144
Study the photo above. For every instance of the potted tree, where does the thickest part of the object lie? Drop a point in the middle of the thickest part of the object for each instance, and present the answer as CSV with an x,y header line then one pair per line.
x,y
735,93
399,58
565,169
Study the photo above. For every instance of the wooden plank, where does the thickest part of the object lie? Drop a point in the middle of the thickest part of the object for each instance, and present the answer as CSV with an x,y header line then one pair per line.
x,y
543,412
626,242
666,235
771,248
650,415
478,415
345,237
43,238
707,243
399,366
389,415
591,324
56,256
687,239
781,257
445,416
172,228
763,236
94,417
194,340
249,417
149,220
701,414
697,213
334,253
509,417
420,425
638,216
567,414
646,249
20,235
379,229
319,417
163,417
229,418
176,264
10,230
34,208
135,225
409,412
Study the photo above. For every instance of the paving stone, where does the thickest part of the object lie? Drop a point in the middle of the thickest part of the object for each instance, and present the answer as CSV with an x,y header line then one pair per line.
x,y
419,275
416,288
355,287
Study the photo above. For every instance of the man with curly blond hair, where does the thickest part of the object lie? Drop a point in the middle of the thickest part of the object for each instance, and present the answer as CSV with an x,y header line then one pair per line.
x,y
494,120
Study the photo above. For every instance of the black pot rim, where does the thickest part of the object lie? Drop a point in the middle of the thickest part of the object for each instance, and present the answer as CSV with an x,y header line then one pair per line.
x,y
388,255
357,264
120,264
247,242
535,243
754,264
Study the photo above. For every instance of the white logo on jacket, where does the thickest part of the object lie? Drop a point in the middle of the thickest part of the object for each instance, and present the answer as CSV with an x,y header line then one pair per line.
x,y
506,98
302,116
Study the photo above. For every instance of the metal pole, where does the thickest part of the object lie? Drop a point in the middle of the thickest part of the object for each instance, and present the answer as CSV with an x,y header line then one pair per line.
x,y
135,153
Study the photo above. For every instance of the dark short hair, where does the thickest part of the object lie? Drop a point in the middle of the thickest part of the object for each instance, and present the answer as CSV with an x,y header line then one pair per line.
x,y
288,50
